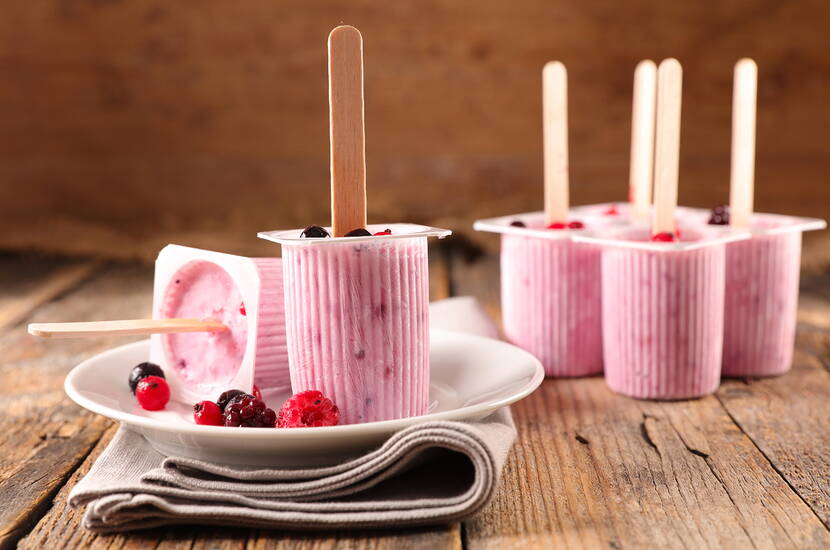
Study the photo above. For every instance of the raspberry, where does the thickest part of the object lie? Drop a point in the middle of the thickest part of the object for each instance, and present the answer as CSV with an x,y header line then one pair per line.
x,y
230,396
207,413
663,237
308,409
249,412
557,225
576,225
152,393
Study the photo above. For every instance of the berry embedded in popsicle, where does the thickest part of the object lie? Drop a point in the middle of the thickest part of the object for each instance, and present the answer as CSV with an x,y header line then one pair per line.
x,y
720,215
314,232
664,237
359,232
557,225
518,223
383,233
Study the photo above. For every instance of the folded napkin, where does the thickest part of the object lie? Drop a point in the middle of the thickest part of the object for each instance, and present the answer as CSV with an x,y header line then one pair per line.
x,y
430,473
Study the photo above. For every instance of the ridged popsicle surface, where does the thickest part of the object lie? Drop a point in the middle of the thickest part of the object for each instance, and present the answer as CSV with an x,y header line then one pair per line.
x,y
761,304
663,321
357,325
271,360
551,302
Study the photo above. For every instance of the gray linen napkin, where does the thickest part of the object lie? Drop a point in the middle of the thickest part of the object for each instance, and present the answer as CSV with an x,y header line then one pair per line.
x,y
430,473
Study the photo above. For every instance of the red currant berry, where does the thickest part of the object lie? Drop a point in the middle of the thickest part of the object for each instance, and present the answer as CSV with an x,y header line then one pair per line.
x,y
207,413
557,225
664,237
152,393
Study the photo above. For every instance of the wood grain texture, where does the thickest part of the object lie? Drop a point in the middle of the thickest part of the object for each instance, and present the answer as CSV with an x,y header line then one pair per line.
x,y
128,125
347,137
44,436
788,418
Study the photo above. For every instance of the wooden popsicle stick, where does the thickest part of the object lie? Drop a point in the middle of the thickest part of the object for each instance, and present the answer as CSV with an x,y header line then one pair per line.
x,y
667,145
742,183
555,134
642,139
132,326
348,149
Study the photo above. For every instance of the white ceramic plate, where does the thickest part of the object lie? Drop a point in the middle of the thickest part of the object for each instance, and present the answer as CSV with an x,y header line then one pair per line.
x,y
471,376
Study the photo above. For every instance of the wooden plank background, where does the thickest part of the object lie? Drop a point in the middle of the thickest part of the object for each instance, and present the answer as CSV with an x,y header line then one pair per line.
x,y
128,125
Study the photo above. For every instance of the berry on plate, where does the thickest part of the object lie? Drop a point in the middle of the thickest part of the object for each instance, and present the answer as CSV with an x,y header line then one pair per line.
x,y
249,412
229,396
152,393
308,409
143,370
207,413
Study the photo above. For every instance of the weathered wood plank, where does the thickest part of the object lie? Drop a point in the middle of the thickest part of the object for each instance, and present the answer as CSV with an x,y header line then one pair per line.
x,y
44,436
788,418
28,282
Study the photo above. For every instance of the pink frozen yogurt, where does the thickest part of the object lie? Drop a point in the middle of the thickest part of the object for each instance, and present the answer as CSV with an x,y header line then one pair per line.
x,y
203,290
550,294
762,296
246,295
357,320
662,314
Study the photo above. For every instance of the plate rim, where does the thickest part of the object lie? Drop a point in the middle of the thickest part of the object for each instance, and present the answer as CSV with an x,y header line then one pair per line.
x,y
383,426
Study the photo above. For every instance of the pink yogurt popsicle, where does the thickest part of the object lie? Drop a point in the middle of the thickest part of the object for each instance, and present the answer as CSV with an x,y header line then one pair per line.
x,y
762,296
663,315
245,294
357,320
550,295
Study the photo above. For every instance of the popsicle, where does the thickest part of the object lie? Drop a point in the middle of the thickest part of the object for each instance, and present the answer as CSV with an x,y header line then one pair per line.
x,y
550,285
245,295
663,296
761,273
357,296
218,323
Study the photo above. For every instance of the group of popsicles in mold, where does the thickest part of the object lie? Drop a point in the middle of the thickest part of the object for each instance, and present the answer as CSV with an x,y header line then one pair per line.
x,y
663,299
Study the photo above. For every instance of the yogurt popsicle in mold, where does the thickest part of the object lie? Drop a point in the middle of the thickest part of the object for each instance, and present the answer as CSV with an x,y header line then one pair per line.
x,y
550,284
663,296
217,323
357,296
762,272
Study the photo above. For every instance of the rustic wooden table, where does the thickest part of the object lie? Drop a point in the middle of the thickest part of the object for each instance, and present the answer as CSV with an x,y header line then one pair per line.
x,y
748,467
